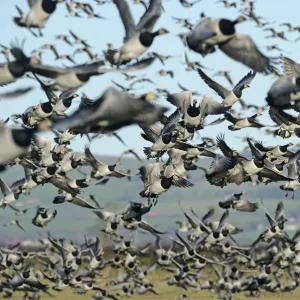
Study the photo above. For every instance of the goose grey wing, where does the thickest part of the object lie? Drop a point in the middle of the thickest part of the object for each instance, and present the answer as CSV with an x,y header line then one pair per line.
x,y
270,219
273,175
279,214
151,133
223,219
246,206
4,188
32,2
243,49
172,120
202,31
146,226
218,88
218,165
290,67
85,102
91,158
181,100
141,64
15,185
208,215
210,106
190,220
296,236
255,152
15,93
61,183
150,16
246,80
277,117
67,94
82,202
46,71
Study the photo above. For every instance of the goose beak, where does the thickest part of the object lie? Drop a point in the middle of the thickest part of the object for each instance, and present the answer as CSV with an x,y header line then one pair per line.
x,y
246,86
162,31
244,193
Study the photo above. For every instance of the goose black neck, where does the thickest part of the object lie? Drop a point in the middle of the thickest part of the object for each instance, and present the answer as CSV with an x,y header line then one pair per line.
x,y
47,107
193,111
49,6
146,38
16,69
166,182
22,137
227,27
112,167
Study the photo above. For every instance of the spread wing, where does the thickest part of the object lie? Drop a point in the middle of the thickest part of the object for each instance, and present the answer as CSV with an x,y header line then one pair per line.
x,y
181,100
146,226
243,49
219,89
150,16
290,67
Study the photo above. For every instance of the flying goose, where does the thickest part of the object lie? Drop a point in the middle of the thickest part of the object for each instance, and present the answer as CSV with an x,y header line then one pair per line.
x,y
14,222
210,32
164,139
239,205
155,183
99,169
287,123
190,110
39,13
284,92
110,112
138,38
240,123
229,97
76,76
43,217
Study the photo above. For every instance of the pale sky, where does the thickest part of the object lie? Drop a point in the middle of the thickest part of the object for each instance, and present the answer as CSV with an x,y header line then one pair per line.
x,y
99,32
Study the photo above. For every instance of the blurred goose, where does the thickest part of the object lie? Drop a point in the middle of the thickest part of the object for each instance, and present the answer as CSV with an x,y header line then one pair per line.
x,y
284,91
239,205
287,123
14,222
210,32
76,76
39,13
16,143
110,112
12,70
10,193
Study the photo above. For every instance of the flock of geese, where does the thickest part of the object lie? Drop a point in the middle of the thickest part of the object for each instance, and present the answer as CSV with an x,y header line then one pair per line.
x,y
203,254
